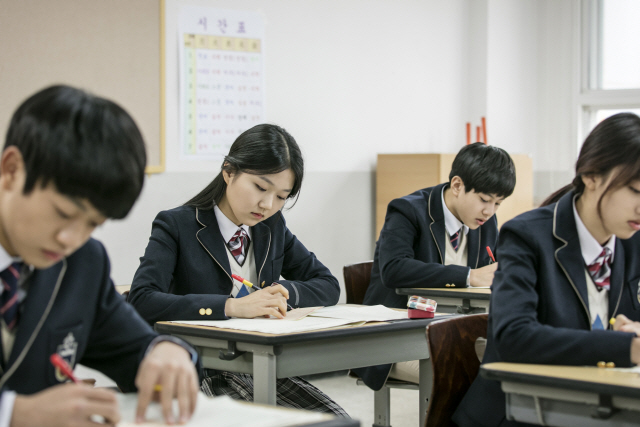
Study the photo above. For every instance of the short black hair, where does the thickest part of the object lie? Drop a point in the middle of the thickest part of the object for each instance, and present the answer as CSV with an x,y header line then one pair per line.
x,y
485,169
88,146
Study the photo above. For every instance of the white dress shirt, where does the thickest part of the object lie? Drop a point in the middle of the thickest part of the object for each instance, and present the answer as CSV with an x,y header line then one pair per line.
x,y
591,250
453,224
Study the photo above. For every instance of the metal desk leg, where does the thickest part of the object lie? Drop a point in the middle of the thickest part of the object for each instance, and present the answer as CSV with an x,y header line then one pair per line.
x,y
426,383
264,378
381,407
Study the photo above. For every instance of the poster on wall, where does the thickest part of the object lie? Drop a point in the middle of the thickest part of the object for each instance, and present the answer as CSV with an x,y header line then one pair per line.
x,y
221,79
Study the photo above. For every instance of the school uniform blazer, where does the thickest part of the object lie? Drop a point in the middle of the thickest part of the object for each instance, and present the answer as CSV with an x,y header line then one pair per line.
x,y
411,249
74,310
410,254
185,267
540,306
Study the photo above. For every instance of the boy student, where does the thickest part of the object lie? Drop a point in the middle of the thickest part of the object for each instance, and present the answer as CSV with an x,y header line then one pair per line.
x,y
437,236
71,160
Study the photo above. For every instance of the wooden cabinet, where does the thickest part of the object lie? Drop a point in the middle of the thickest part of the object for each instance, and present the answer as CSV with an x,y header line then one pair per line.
x,y
400,174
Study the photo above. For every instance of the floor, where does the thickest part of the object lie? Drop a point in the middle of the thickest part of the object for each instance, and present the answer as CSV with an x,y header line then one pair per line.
x,y
356,400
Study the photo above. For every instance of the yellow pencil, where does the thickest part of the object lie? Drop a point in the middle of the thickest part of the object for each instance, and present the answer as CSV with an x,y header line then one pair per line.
x,y
242,280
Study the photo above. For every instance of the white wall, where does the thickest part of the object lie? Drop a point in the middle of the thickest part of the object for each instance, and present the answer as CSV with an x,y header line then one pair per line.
x,y
353,78
348,79
558,80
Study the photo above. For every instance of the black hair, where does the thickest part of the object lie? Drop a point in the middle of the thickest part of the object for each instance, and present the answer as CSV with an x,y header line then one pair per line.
x,y
88,147
614,142
262,150
484,169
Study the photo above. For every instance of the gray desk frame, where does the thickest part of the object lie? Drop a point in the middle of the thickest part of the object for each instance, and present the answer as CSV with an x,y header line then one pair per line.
x,y
268,357
537,399
452,301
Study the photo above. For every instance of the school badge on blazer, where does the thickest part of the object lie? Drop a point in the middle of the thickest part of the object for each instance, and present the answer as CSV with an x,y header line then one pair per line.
x,y
67,350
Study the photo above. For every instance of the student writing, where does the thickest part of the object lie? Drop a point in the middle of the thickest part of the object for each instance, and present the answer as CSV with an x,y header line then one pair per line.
x,y
71,160
566,269
235,226
437,237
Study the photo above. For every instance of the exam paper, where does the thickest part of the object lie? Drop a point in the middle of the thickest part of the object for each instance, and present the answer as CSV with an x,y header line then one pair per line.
x,y
271,326
220,411
363,313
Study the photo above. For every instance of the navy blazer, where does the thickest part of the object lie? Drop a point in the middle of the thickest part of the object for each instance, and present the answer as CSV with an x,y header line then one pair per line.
x,y
185,267
411,248
410,254
540,306
74,310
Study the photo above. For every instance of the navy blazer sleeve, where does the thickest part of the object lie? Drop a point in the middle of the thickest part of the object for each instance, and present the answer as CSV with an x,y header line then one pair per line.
x,y
308,281
110,351
150,293
518,335
399,267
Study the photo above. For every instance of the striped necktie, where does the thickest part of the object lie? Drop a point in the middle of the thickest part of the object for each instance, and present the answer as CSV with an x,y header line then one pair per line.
x,y
455,240
238,245
600,270
9,297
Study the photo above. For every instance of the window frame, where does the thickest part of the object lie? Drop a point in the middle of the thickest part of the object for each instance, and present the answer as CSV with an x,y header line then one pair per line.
x,y
591,100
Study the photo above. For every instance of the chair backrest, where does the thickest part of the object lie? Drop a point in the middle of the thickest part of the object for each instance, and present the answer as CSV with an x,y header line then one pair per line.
x,y
455,363
356,281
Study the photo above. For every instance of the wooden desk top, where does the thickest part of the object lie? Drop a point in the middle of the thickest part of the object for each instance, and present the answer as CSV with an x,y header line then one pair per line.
x,y
584,378
472,293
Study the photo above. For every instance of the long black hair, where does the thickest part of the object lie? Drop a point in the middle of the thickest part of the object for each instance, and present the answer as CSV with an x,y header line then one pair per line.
x,y
262,150
614,142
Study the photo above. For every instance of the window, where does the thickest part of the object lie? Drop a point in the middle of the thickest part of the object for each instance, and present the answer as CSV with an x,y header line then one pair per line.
x,y
610,60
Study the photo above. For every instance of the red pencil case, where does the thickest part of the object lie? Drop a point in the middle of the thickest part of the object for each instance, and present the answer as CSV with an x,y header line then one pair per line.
x,y
420,314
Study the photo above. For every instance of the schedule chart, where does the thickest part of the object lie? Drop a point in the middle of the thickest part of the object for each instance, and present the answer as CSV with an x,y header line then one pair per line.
x,y
222,80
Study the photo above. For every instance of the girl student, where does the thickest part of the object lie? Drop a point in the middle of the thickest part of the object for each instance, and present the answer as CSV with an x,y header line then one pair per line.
x,y
235,226
566,269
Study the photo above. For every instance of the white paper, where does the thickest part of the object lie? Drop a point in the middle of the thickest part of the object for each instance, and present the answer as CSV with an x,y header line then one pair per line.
x,y
271,326
220,411
634,370
364,313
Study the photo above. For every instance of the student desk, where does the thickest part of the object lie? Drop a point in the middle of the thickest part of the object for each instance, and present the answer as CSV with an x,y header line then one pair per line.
x,y
270,356
454,300
568,395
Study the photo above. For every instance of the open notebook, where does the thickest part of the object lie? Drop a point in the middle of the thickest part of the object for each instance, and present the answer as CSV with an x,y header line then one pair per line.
x,y
221,411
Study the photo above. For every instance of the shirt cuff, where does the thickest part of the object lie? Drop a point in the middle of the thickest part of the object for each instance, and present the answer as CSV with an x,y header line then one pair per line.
x,y
469,278
7,398
182,343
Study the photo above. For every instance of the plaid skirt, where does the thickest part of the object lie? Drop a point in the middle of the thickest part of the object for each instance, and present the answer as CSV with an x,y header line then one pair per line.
x,y
291,392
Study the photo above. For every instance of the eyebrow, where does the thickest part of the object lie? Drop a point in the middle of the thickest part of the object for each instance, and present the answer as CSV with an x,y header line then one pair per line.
x,y
78,203
264,178
494,197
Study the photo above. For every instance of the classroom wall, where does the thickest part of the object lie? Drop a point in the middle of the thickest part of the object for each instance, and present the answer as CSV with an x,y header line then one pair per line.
x,y
350,79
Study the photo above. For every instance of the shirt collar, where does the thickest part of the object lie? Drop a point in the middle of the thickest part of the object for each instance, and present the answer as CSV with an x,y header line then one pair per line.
x,y
452,223
227,227
589,246
6,260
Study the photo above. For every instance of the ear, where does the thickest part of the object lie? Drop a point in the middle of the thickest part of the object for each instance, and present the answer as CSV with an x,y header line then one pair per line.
x,y
457,186
591,181
11,168
227,176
